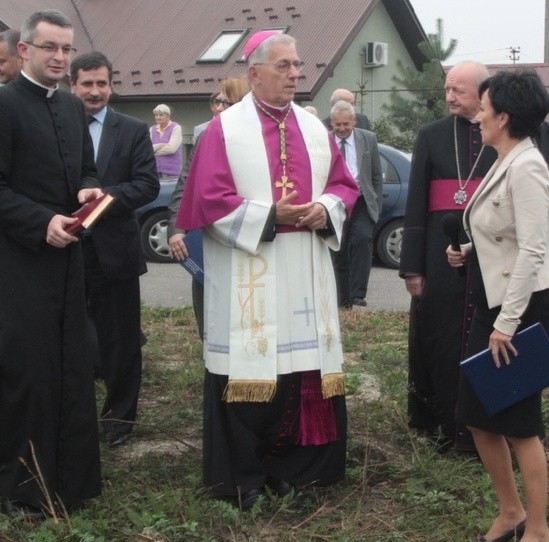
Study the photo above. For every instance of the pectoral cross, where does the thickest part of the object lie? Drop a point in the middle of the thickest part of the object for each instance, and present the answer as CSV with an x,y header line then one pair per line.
x,y
284,183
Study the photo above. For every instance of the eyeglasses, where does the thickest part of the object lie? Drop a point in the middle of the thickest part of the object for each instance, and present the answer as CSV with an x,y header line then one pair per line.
x,y
223,103
51,49
283,66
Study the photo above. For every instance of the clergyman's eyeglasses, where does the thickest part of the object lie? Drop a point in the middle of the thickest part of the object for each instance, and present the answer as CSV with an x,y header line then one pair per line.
x,y
51,48
283,66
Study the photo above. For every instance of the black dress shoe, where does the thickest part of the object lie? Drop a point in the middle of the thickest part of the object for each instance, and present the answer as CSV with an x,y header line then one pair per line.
x,y
280,488
512,534
15,509
248,499
115,438
359,302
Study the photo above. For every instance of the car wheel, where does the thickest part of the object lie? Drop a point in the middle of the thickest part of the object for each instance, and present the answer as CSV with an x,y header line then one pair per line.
x,y
154,238
389,242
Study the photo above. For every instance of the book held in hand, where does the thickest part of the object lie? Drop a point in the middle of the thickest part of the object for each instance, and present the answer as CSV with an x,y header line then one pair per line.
x,y
89,213
528,373
194,263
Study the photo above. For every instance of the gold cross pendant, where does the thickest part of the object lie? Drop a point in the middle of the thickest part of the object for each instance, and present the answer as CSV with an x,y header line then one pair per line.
x,y
284,183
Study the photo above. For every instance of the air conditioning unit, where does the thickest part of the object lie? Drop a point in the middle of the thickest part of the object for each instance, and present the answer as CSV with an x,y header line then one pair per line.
x,y
377,54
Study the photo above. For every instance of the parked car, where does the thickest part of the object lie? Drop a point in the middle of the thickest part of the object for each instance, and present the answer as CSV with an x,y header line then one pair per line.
x,y
387,234
396,167
153,219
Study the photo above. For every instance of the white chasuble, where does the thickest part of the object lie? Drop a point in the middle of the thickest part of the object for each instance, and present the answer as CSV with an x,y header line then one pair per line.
x,y
270,307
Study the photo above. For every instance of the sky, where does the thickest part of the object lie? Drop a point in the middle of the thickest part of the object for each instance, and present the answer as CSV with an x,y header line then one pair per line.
x,y
486,30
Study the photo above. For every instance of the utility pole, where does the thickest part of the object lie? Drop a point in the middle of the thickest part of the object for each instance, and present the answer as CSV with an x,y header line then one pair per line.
x,y
515,54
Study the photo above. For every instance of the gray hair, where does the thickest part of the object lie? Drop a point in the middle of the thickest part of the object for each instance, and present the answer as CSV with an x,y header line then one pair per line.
x,y
51,16
342,105
477,72
262,51
11,38
342,94
162,108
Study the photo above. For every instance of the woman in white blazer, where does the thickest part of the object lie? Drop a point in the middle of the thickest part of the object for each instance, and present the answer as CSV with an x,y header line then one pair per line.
x,y
507,221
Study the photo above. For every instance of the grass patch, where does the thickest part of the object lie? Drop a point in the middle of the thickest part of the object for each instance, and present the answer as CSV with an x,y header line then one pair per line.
x,y
397,489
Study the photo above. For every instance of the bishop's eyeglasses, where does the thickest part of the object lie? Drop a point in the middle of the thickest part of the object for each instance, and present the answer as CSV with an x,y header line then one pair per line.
x,y
283,66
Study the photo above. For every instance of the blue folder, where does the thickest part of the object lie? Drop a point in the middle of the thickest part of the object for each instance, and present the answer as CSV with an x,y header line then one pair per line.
x,y
527,374
194,263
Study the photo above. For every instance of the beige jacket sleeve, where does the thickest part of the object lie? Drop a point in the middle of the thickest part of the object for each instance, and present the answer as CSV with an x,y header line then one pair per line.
x,y
509,220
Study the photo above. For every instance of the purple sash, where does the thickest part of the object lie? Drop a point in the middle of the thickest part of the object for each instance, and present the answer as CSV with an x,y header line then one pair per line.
x,y
441,194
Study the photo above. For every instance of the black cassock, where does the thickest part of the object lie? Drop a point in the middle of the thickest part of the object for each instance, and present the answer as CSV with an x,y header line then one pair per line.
x,y
47,345
245,444
438,321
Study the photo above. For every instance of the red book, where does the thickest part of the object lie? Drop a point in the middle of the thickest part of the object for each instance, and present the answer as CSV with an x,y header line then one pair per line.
x,y
88,214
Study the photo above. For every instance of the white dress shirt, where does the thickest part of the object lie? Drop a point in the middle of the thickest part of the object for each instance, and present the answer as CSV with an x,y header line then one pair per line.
x,y
350,154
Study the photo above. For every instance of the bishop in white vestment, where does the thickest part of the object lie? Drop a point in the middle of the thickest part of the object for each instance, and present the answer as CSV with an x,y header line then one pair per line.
x,y
271,192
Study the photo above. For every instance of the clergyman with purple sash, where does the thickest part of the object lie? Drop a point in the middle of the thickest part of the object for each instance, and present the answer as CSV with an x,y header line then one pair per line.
x,y
448,164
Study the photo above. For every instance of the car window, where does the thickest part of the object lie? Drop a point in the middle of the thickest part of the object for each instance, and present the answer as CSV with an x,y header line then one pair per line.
x,y
390,175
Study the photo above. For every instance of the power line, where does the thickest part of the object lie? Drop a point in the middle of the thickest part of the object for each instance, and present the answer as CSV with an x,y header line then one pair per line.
x,y
515,54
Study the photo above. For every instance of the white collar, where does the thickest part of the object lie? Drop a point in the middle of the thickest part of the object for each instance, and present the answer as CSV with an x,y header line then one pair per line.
x,y
350,140
50,90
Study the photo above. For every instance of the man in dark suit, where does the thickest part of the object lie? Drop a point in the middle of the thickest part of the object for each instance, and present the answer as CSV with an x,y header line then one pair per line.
x,y
353,261
361,121
112,249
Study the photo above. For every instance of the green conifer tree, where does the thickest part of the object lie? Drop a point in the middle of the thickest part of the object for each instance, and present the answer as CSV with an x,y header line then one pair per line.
x,y
418,96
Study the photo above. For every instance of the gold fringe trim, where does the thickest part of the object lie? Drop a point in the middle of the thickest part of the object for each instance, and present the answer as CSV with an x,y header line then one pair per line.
x,y
333,384
249,391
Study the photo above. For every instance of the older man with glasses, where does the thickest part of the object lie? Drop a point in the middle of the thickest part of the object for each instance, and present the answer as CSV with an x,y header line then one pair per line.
x,y
271,192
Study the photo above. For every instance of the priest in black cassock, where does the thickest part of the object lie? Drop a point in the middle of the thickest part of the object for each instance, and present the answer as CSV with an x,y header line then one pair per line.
x,y
48,422
448,164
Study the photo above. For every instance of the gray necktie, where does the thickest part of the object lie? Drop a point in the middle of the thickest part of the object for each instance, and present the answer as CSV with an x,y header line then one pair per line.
x,y
342,147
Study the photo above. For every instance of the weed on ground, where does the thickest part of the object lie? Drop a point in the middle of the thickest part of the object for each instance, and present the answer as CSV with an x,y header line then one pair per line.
x,y
398,488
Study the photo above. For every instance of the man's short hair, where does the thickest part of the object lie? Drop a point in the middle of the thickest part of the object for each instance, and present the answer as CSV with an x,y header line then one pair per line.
x,y
342,94
342,105
90,61
11,38
51,16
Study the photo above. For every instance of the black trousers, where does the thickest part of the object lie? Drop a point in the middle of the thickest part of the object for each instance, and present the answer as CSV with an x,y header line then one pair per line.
x,y
245,443
197,290
352,263
115,308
